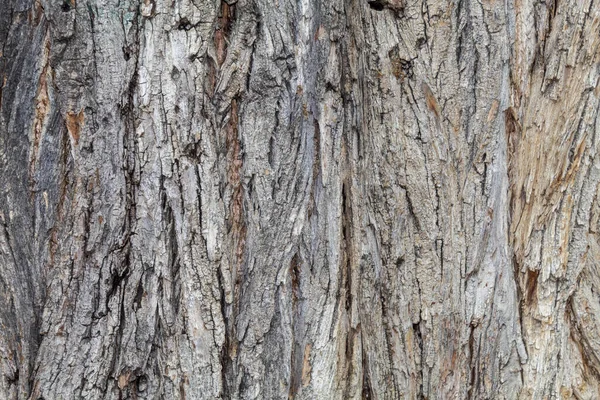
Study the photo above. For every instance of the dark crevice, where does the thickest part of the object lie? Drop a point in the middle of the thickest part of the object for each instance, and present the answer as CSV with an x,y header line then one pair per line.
x,y
66,6
296,353
137,300
174,262
346,278
386,314
367,390
531,286
411,211
419,339
346,237
224,26
316,168
251,61
13,379
117,278
472,360
589,360
121,272
271,154
226,360
376,5
184,24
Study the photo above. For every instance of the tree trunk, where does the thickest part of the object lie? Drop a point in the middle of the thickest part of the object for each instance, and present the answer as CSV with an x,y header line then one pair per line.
x,y
343,199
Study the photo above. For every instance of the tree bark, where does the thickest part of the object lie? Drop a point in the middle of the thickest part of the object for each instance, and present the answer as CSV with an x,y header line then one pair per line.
x,y
257,199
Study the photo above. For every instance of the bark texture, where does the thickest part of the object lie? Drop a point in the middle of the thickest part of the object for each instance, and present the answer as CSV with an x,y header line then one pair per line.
x,y
308,199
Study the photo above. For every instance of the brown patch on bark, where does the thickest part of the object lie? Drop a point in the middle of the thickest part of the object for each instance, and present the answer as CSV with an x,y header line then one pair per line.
x,y
234,158
305,111
493,111
531,285
295,275
237,225
512,129
568,176
42,108
182,388
394,56
224,23
74,124
123,380
37,12
400,67
306,367
295,373
432,103
320,33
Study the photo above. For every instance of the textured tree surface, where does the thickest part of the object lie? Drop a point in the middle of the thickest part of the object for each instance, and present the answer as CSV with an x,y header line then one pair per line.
x,y
310,199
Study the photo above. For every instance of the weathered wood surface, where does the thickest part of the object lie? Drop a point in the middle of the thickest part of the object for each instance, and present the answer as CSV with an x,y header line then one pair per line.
x,y
314,199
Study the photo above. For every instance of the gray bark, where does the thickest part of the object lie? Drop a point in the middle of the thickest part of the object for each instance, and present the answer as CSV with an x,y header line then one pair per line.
x,y
304,199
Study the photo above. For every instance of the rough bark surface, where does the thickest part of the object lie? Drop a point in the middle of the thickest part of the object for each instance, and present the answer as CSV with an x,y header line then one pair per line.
x,y
307,199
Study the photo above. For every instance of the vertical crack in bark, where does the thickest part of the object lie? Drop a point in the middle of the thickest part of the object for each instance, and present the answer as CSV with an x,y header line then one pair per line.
x,y
174,261
346,284
367,390
513,140
531,281
227,352
316,168
42,110
235,162
75,122
419,339
472,385
121,273
224,24
237,225
295,355
590,361
387,315
64,183
355,333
